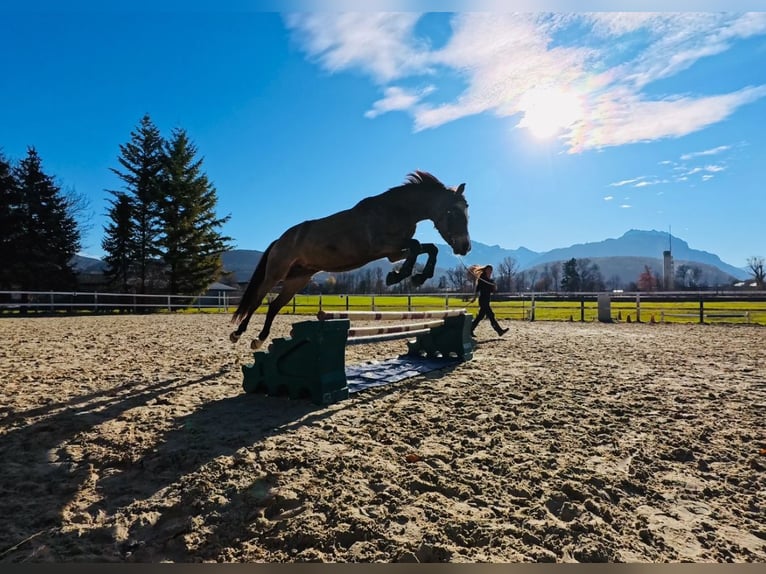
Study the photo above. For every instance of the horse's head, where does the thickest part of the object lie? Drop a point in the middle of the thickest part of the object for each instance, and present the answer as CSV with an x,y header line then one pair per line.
x,y
452,221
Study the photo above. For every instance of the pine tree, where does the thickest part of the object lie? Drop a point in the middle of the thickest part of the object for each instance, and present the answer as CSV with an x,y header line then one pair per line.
x,y
119,242
571,280
141,159
192,241
49,236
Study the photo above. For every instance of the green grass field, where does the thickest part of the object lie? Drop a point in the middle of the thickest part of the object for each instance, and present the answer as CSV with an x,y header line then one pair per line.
x,y
669,312
725,310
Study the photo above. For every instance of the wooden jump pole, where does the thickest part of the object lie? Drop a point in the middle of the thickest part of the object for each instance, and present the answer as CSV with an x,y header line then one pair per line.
x,y
385,337
404,328
388,315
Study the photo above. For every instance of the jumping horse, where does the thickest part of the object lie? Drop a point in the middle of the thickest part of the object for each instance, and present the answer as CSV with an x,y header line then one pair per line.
x,y
381,226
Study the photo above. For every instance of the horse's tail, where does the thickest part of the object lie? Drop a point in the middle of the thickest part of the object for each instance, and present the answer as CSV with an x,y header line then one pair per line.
x,y
247,302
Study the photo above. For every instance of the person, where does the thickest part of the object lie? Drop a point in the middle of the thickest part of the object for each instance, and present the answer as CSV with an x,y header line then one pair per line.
x,y
484,289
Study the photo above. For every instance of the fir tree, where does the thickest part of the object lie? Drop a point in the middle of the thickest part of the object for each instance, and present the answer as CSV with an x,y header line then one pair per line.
x,y
571,280
192,241
10,225
141,159
48,234
119,242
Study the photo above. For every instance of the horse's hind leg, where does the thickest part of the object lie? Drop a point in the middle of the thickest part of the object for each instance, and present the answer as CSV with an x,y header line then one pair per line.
x,y
289,288
413,250
428,270
242,327
235,335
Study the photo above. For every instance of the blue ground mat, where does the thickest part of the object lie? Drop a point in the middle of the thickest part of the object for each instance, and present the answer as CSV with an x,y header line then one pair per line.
x,y
378,373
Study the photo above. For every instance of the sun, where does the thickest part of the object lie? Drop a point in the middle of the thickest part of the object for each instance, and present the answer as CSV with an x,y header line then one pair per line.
x,y
547,111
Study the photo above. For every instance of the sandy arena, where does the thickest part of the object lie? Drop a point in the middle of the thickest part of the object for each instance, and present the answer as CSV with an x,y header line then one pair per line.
x,y
129,439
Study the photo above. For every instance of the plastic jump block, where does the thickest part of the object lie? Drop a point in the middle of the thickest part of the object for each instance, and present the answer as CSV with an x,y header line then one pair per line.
x,y
310,363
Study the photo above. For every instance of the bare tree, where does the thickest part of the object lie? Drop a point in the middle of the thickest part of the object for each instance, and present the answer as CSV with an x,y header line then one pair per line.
x,y
458,280
756,265
556,274
506,273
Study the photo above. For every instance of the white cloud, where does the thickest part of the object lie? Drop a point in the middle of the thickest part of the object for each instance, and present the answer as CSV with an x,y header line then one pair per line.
x,y
706,168
608,197
712,151
624,118
495,59
626,181
649,183
397,99
378,43
625,206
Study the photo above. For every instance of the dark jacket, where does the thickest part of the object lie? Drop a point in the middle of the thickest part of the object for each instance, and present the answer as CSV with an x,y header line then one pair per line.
x,y
484,290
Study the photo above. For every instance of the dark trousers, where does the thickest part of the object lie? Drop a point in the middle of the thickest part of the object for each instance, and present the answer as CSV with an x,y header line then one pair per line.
x,y
486,311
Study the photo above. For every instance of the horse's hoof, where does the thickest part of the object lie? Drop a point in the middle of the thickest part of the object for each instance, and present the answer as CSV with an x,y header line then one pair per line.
x,y
234,337
256,344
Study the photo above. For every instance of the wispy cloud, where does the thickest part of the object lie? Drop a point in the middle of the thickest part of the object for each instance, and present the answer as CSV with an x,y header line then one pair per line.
x,y
704,169
627,182
646,183
608,197
397,99
712,151
496,59
381,44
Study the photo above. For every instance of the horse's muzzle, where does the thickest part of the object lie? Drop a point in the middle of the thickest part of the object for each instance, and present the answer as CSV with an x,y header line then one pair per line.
x,y
461,246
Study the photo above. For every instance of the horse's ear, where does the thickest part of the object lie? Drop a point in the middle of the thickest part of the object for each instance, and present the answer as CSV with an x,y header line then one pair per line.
x,y
460,188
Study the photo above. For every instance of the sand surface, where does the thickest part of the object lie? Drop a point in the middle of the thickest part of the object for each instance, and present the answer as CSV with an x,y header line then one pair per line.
x,y
130,439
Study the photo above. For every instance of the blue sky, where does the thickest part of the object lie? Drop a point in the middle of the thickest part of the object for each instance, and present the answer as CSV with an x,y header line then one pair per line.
x,y
567,127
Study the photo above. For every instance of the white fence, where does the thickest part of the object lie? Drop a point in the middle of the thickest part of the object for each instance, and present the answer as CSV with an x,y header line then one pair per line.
x,y
50,301
660,306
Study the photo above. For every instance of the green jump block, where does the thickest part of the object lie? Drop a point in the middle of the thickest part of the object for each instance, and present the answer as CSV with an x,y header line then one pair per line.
x,y
452,339
310,363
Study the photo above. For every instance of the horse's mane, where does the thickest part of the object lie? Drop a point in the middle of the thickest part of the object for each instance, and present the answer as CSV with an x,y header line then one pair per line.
x,y
418,177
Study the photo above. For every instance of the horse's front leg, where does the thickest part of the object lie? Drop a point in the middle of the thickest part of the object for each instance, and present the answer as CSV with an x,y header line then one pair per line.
x,y
428,270
412,250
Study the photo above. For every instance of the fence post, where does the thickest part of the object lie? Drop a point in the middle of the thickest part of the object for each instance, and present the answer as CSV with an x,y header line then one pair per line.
x,y
170,308
409,303
582,308
638,307
702,311
373,302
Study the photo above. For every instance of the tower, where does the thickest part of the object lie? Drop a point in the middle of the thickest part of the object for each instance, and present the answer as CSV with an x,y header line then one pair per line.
x,y
668,275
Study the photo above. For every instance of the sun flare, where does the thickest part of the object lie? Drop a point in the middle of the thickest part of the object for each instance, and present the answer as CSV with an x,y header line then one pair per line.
x,y
547,111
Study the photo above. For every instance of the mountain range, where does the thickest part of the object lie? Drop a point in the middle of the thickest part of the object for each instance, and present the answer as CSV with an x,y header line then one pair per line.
x,y
623,257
